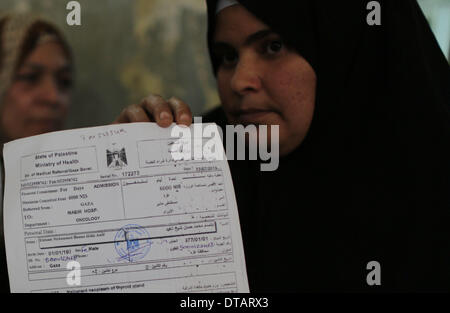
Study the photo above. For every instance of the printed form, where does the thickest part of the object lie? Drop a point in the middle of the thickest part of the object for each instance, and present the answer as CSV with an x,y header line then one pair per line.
x,y
113,199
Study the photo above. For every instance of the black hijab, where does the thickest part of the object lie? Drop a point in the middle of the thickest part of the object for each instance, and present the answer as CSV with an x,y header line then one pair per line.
x,y
371,181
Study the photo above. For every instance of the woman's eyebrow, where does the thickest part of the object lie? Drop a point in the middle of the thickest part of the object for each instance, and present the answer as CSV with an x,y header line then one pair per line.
x,y
32,66
220,47
40,67
255,37
66,68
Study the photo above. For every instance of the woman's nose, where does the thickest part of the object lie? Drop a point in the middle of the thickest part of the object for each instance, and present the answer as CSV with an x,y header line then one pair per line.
x,y
50,93
247,75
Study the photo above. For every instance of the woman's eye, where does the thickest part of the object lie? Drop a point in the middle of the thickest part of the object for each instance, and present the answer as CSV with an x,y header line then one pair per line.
x,y
229,58
65,83
28,77
273,47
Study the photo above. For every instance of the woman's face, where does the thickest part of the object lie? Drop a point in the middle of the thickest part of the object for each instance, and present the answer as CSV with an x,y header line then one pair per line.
x,y
38,99
260,80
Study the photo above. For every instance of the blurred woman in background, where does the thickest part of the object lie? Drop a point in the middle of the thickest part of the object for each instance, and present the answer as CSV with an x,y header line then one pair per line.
x,y
36,74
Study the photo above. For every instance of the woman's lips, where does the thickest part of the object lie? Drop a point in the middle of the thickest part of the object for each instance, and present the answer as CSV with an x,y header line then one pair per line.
x,y
252,116
47,123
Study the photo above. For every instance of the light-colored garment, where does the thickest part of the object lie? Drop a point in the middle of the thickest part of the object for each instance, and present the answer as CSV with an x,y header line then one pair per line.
x,y
15,29
223,4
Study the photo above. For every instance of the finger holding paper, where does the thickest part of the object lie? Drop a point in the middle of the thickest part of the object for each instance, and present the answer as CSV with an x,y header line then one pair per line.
x,y
155,108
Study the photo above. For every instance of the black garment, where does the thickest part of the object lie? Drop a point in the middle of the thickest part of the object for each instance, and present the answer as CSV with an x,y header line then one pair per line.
x,y
371,181
4,280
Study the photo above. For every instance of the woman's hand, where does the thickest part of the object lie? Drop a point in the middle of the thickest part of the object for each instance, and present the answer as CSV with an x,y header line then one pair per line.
x,y
155,109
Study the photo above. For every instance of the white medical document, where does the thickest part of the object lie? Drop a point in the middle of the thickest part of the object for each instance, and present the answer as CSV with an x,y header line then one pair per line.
x,y
113,199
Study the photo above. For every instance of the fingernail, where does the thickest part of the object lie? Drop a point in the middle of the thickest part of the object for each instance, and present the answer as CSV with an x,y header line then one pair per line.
x,y
164,115
185,118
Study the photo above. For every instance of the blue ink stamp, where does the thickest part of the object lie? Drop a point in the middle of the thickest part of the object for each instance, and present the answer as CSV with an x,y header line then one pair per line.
x,y
132,243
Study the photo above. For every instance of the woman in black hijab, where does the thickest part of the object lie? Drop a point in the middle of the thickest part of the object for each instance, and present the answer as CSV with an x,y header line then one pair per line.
x,y
368,176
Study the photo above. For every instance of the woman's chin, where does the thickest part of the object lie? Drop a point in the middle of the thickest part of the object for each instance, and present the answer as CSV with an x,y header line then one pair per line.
x,y
43,127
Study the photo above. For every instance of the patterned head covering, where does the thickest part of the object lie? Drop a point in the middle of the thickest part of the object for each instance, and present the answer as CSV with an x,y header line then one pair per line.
x,y
15,30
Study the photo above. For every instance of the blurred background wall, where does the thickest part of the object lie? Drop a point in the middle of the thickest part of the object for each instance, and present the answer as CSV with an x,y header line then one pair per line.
x,y
126,49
